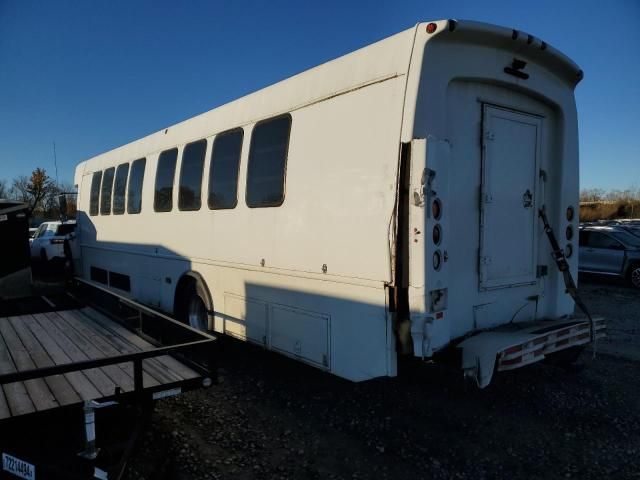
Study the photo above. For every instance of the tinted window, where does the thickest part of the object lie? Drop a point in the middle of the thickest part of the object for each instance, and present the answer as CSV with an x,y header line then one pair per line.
x,y
267,162
119,188
600,240
105,194
118,280
163,199
627,238
223,174
99,275
191,175
134,192
65,229
95,193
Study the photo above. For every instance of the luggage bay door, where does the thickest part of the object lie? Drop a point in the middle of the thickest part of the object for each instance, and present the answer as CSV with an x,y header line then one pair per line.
x,y
511,146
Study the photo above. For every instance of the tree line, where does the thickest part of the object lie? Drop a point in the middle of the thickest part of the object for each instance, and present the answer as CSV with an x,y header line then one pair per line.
x,y
40,192
600,195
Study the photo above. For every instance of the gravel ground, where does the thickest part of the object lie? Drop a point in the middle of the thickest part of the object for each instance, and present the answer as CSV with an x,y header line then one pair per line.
x,y
620,305
274,418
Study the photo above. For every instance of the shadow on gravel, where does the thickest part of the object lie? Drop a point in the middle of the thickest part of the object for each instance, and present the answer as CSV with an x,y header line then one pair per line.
x,y
274,418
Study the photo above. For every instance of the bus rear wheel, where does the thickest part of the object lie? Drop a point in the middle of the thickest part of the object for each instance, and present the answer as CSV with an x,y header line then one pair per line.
x,y
197,312
193,306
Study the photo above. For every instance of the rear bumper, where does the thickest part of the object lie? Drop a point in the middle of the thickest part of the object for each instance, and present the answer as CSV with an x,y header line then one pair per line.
x,y
515,346
560,335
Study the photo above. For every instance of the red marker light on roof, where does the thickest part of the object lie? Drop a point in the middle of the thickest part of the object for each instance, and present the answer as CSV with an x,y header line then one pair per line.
x,y
431,27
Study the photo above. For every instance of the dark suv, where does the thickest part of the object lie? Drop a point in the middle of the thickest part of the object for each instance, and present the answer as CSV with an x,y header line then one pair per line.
x,y
610,250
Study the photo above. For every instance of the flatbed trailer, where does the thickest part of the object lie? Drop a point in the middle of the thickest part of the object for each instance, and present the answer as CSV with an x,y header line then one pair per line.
x,y
60,368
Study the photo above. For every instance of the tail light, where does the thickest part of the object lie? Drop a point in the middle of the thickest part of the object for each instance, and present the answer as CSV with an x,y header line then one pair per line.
x,y
437,260
569,232
568,251
437,234
436,209
570,213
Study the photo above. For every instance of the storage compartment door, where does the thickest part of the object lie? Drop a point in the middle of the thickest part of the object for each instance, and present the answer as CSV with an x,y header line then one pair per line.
x,y
301,334
510,151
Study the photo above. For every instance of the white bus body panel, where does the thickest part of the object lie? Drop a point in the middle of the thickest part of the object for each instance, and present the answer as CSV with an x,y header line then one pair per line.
x,y
461,94
310,278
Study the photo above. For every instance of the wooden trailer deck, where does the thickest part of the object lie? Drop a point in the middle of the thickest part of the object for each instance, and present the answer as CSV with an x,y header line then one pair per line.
x,y
42,340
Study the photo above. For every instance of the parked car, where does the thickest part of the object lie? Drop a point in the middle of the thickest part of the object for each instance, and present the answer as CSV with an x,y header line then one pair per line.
x,y
48,241
633,228
610,250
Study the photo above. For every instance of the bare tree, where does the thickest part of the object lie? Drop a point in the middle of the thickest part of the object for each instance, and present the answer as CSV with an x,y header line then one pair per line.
x,y
4,189
592,195
33,190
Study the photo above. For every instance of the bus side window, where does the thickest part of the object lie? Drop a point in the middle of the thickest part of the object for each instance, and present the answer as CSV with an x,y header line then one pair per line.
x,y
163,198
94,201
134,192
223,174
119,188
268,162
189,195
105,195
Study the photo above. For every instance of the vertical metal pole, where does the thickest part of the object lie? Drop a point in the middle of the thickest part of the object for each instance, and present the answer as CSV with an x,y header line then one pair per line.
x,y
137,377
55,161
90,451
212,361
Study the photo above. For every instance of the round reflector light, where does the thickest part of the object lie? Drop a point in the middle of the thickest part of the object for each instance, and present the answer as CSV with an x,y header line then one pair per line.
x,y
437,260
570,213
436,209
437,234
568,251
431,27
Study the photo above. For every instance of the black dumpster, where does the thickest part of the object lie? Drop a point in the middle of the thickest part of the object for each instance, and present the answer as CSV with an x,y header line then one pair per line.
x,y
15,266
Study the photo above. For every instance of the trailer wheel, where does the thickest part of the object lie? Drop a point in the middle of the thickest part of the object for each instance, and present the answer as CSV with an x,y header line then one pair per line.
x,y
634,275
194,307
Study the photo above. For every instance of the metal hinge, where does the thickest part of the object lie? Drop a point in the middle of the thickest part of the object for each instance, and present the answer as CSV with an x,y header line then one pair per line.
x,y
485,260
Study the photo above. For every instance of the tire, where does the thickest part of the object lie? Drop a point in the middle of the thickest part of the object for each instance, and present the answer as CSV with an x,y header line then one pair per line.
x,y
633,275
194,306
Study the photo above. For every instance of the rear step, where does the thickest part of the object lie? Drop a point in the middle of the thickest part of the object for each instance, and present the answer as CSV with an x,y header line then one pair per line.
x,y
508,349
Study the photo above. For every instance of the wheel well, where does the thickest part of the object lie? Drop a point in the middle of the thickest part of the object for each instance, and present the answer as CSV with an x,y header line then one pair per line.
x,y
187,281
630,265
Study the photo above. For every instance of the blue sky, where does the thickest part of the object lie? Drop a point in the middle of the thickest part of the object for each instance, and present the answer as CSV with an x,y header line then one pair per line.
x,y
93,75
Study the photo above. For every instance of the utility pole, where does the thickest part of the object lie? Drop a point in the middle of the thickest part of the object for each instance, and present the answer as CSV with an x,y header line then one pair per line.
x,y
55,162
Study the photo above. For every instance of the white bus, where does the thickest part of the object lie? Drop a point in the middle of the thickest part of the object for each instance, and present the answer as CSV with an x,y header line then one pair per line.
x,y
382,204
